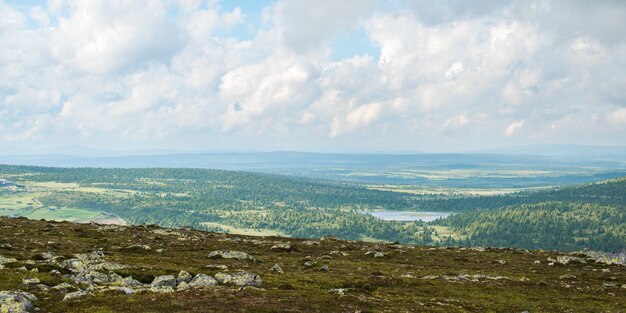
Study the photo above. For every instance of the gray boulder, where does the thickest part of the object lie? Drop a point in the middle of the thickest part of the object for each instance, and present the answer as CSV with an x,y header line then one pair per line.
x,y
17,301
5,260
223,278
229,254
75,295
245,279
566,259
183,276
30,281
282,247
202,280
276,269
164,281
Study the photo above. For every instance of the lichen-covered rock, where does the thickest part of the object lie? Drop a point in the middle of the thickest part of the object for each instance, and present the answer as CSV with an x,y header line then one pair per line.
x,y
128,281
229,254
30,281
5,260
338,291
202,280
75,295
310,243
183,276
376,254
568,276
47,256
62,287
604,257
124,290
335,252
282,247
164,281
182,286
223,278
276,269
220,267
566,259
245,279
16,301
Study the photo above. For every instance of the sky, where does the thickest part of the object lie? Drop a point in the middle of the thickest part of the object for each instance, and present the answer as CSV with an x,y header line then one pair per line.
x,y
340,76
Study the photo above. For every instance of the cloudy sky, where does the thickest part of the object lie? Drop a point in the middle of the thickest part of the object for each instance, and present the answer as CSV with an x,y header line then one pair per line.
x,y
323,75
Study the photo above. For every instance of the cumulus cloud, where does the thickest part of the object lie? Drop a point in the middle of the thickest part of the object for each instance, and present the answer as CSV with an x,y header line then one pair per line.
x,y
513,128
168,72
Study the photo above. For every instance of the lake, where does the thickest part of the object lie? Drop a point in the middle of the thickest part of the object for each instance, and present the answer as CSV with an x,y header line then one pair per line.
x,y
408,216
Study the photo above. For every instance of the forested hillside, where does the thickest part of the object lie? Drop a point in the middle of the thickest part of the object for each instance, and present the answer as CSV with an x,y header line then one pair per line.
x,y
608,192
224,200
568,218
564,218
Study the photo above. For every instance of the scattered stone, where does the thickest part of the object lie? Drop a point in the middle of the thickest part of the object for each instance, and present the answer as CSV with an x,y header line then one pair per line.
x,y
124,290
503,262
239,279
62,287
310,242
17,301
430,277
34,270
228,254
183,277
223,278
606,270
55,272
138,247
5,260
161,289
568,276
23,269
604,257
164,281
377,254
202,280
339,291
30,281
6,246
220,267
182,286
309,264
276,269
128,281
325,268
537,262
75,295
48,256
335,252
282,247
566,259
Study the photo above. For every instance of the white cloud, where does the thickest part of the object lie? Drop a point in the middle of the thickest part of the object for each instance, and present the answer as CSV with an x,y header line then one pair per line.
x,y
513,128
618,117
440,74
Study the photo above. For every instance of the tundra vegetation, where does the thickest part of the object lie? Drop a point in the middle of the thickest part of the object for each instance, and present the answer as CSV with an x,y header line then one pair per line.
x,y
69,267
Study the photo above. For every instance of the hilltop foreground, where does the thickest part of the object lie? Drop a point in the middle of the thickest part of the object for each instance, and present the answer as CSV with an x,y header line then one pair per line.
x,y
66,267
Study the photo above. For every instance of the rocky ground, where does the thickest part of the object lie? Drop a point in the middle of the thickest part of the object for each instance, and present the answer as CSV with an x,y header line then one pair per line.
x,y
65,267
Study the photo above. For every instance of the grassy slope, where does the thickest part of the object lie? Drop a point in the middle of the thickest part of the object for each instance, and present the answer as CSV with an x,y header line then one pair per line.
x,y
375,284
